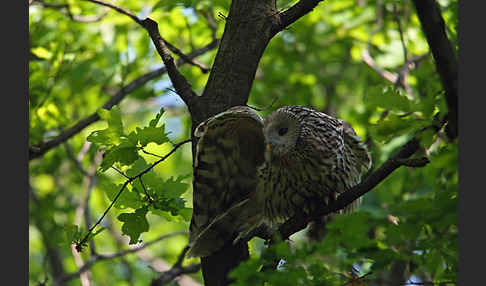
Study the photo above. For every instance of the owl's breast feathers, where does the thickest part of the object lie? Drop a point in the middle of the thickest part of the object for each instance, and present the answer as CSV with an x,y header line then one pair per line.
x,y
327,160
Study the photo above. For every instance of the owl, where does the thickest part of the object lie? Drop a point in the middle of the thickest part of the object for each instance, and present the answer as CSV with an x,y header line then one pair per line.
x,y
251,172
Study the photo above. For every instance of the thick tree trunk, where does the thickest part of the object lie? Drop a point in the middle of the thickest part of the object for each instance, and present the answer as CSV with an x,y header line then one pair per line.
x,y
247,32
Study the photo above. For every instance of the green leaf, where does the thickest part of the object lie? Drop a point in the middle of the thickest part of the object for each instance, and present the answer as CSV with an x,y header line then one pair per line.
x,y
112,134
153,122
186,213
41,52
113,118
168,5
126,153
427,138
393,126
170,205
173,188
133,138
137,167
134,224
127,199
152,134
389,98
72,233
352,229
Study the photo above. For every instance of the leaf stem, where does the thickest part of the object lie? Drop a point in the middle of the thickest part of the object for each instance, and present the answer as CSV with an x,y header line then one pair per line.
x,y
79,245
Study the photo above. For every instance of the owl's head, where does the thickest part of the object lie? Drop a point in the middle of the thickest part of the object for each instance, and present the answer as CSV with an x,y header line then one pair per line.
x,y
281,130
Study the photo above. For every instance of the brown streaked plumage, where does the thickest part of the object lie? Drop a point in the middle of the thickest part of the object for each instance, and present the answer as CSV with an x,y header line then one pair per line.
x,y
250,173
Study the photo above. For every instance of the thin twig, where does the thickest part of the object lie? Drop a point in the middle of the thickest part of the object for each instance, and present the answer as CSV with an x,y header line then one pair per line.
x,y
36,151
208,15
149,153
357,279
117,8
97,258
264,108
401,33
76,162
141,22
67,9
176,270
179,82
402,74
145,190
292,14
120,172
80,244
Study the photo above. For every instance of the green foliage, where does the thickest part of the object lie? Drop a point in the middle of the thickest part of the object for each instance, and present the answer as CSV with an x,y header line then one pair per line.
x,y
75,68
121,148
134,223
163,196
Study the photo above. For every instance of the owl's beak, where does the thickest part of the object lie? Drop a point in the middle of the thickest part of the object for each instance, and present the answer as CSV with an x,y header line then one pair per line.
x,y
268,152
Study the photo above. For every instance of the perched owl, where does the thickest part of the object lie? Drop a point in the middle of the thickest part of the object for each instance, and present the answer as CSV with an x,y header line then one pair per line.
x,y
250,172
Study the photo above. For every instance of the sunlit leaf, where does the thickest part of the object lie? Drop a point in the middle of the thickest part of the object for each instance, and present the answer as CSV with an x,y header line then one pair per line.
x,y
134,224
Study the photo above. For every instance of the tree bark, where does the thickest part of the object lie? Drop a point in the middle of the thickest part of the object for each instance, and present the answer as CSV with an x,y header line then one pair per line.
x,y
248,30
445,58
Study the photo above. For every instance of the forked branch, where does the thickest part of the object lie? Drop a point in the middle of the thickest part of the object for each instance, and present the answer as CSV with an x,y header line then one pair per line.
x,y
292,14
80,244
180,83
37,151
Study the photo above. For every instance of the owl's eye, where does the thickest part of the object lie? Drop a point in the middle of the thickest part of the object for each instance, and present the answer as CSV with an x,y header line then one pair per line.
x,y
283,131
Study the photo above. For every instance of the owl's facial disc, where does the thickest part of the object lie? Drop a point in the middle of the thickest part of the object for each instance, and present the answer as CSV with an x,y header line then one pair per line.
x,y
281,131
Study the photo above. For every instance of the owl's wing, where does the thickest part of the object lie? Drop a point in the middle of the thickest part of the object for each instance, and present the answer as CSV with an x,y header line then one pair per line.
x,y
357,162
359,158
357,149
228,152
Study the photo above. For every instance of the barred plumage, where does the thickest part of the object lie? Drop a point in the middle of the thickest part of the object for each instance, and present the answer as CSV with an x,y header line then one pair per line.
x,y
309,159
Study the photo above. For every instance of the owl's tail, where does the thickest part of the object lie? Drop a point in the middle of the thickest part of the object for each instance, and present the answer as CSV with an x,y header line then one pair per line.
x,y
235,224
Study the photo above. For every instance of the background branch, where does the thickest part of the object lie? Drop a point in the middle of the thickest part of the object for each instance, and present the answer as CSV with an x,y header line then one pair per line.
x,y
79,245
294,13
445,58
180,83
66,8
176,270
99,257
139,21
39,150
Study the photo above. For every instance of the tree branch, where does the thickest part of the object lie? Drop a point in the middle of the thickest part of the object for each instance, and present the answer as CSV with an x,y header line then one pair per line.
x,y
97,258
37,151
118,9
80,244
157,264
208,15
445,59
176,270
292,14
67,8
298,223
179,82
